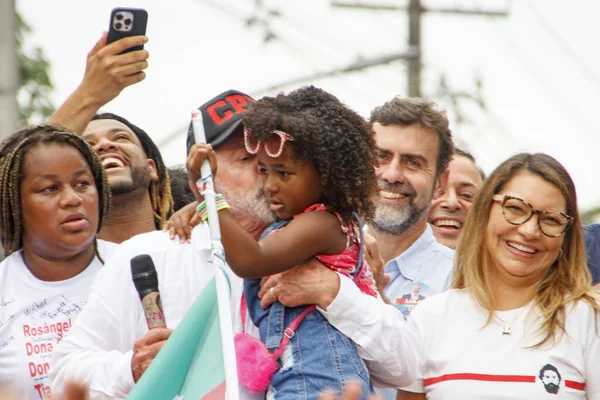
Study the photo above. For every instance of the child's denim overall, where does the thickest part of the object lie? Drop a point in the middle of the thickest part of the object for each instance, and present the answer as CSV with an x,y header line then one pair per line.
x,y
317,357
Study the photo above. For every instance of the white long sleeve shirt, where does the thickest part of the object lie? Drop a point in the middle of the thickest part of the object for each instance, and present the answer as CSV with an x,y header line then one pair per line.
x,y
387,342
444,343
98,350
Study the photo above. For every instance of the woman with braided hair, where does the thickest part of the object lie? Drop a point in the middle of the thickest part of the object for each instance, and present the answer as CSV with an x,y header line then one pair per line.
x,y
54,198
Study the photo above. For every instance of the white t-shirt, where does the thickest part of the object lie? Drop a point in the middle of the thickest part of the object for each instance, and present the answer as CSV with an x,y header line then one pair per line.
x,y
35,316
463,360
99,349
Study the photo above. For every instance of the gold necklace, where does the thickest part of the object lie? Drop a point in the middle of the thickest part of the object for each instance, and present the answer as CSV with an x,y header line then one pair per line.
x,y
507,325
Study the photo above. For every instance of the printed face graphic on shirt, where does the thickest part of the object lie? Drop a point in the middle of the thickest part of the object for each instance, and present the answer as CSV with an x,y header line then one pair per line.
x,y
550,377
411,296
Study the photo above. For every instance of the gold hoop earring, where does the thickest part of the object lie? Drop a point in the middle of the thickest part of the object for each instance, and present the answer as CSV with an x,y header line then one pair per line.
x,y
560,254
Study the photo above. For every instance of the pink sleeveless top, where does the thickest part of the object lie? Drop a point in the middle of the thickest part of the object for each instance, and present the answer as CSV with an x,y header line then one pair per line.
x,y
346,261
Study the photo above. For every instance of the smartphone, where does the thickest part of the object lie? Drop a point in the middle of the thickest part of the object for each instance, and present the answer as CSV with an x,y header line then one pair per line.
x,y
125,22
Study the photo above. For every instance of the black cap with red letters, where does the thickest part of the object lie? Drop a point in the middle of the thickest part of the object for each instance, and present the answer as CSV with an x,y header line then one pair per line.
x,y
221,116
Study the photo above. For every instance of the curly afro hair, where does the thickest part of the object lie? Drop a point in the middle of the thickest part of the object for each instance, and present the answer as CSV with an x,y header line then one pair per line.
x,y
337,140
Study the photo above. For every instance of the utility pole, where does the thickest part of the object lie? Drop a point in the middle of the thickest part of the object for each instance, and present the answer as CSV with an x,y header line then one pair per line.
x,y
415,12
414,43
9,70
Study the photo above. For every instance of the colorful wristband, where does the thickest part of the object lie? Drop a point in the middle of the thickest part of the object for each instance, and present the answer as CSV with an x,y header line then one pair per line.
x,y
221,205
202,205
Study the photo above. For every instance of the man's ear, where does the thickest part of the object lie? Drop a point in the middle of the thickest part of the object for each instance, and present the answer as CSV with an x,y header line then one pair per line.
x,y
152,169
441,184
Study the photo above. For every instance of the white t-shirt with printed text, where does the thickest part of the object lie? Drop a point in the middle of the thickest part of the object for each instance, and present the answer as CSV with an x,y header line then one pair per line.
x,y
35,316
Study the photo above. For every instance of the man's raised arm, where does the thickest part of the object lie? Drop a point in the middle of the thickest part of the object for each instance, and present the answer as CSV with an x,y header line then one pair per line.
x,y
107,73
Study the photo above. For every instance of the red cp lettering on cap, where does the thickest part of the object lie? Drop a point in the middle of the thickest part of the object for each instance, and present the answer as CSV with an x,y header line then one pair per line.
x,y
223,110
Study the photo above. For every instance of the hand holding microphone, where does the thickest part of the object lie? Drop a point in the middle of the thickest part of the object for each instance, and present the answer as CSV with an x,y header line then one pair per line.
x,y
147,347
145,280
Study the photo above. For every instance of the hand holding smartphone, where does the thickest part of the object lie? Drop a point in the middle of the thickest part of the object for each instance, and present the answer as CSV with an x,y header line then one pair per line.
x,y
125,22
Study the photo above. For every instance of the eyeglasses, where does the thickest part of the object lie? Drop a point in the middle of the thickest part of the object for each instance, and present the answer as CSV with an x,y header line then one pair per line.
x,y
517,211
274,142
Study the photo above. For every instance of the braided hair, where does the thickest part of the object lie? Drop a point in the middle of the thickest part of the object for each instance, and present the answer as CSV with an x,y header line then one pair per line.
x,y
160,192
12,155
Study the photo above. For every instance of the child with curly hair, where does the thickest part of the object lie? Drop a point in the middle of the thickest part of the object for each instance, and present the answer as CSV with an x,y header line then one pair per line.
x,y
317,157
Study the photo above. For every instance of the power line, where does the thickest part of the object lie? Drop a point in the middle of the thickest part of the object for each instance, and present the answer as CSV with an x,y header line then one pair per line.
x,y
358,65
232,12
300,55
326,44
454,11
415,11
548,86
564,46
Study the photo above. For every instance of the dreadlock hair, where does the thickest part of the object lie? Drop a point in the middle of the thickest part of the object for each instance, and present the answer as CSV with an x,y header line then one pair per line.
x,y
160,192
327,133
12,156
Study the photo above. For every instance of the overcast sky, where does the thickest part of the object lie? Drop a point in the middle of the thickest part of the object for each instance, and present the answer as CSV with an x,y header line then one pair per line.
x,y
539,66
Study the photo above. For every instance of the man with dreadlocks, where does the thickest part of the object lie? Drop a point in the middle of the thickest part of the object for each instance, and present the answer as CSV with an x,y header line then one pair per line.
x,y
137,175
54,198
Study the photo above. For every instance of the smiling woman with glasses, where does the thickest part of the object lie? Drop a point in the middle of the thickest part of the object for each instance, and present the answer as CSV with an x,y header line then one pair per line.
x,y
521,303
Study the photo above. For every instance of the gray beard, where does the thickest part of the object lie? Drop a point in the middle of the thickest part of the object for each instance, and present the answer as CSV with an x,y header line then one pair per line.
x,y
395,221
252,203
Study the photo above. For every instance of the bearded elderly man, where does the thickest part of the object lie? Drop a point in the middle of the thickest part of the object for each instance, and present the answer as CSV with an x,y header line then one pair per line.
x,y
109,347
451,205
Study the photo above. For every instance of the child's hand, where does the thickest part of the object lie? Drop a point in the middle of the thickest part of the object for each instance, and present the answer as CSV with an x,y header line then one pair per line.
x,y
198,153
181,223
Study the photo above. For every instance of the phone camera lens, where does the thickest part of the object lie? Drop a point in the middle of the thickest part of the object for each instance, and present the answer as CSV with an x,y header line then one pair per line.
x,y
119,17
118,26
127,21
